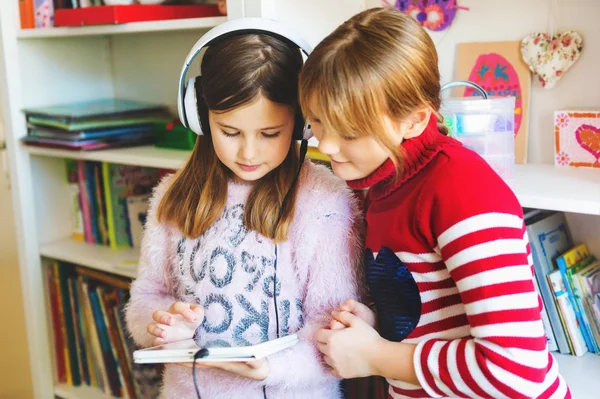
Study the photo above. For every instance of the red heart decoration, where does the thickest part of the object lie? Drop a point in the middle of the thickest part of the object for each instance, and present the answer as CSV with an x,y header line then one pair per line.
x,y
588,137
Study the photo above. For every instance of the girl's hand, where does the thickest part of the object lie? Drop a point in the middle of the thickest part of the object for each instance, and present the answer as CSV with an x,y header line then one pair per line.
x,y
178,323
257,370
360,310
349,351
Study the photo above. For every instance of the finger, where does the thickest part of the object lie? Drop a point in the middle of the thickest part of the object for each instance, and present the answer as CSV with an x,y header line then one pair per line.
x,y
348,306
199,310
335,373
324,349
157,341
183,309
323,335
346,318
336,325
155,330
255,364
328,360
162,317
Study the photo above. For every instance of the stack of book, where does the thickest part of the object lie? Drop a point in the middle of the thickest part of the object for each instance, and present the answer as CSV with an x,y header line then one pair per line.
x,y
95,124
91,343
567,276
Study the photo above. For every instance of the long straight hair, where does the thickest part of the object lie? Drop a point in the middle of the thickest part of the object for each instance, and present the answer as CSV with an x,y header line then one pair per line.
x,y
235,72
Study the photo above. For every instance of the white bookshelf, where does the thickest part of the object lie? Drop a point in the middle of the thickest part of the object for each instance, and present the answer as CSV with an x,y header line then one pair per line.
x,y
141,61
133,27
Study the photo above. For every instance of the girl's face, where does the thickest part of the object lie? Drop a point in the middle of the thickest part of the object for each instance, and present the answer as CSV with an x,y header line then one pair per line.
x,y
253,139
355,158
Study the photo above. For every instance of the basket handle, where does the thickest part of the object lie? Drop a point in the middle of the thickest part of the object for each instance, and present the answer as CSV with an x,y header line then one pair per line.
x,y
467,83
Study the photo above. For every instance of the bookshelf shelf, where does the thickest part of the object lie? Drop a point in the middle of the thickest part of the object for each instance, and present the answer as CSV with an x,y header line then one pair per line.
x,y
143,156
536,185
120,261
134,27
82,392
560,189
581,373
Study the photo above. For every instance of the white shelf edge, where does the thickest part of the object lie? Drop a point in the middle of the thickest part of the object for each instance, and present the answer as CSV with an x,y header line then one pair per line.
x,y
133,27
65,391
545,186
140,156
122,262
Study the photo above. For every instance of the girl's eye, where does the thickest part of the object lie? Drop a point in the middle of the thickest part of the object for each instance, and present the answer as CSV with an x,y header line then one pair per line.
x,y
271,135
231,134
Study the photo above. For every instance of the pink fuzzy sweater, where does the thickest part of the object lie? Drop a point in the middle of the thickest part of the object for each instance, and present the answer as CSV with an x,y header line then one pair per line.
x,y
230,271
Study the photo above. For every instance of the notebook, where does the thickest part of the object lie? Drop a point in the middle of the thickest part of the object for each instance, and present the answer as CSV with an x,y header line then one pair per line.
x,y
184,351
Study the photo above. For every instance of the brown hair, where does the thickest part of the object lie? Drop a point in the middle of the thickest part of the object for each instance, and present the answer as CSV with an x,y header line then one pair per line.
x,y
235,72
379,62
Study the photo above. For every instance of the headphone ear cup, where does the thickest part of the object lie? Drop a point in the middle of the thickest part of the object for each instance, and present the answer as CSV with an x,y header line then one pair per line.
x,y
307,132
201,107
190,103
298,126
302,130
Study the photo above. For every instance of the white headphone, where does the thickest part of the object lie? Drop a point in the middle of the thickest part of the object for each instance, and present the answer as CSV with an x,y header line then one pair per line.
x,y
187,103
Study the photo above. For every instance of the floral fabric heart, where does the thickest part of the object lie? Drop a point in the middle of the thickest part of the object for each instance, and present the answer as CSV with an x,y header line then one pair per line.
x,y
550,57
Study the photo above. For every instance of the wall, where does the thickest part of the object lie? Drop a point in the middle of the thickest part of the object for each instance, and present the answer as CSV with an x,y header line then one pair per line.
x,y
15,376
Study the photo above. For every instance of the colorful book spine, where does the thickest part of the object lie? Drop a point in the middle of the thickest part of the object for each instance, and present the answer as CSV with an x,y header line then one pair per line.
x,y
85,203
26,14
564,304
549,236
565,262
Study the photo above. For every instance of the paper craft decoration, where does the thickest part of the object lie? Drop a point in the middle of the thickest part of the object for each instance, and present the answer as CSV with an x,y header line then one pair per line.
x,y
577,138
499,69
550,57
434,15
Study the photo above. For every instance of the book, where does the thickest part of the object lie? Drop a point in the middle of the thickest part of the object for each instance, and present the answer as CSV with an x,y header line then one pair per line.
x,y
567,264
184,351
550,339
46,132
76,214
137,208
95,109
564,304
119,14
549,236
121,182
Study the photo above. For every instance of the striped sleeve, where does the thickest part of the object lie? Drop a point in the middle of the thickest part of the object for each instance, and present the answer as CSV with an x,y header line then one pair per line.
x,y
481,238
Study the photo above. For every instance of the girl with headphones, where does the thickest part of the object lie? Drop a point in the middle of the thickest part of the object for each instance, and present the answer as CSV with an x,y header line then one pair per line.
x,y
234,252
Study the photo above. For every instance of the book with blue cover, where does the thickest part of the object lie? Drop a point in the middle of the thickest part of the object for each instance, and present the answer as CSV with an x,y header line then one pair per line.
x,y
549,237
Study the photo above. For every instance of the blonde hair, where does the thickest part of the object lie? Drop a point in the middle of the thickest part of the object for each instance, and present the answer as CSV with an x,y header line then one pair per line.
x,y
380,62
198,194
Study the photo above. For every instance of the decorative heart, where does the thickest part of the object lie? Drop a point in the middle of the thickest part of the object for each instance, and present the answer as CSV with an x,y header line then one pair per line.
x,y
550,57
395,293
588,137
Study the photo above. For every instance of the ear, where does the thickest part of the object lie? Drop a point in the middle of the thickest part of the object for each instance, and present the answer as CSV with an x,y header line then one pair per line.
x,y
416,123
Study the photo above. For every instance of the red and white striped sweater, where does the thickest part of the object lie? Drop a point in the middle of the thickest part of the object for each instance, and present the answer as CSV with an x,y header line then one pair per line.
x,y
459,229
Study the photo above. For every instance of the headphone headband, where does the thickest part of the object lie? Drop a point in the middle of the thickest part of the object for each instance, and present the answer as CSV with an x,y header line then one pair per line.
x,y
235,27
